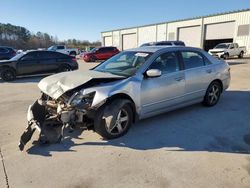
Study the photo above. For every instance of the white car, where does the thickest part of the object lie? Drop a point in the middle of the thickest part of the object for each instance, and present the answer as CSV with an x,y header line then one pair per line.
x,y
63,49
226,50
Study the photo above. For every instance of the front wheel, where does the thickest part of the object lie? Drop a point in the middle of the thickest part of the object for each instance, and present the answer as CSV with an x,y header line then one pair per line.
x,y
226,56
213,94
114,119
7,74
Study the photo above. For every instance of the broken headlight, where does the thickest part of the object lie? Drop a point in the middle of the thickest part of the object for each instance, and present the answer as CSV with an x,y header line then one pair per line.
x,y
78,99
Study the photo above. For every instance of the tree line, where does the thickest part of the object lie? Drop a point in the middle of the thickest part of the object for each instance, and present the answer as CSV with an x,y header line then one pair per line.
x,y
21,38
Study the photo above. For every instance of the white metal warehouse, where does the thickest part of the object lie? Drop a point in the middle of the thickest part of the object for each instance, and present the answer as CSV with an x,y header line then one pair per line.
x,y
203,32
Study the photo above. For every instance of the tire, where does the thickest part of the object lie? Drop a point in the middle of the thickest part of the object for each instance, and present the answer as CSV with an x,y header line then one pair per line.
x,y
8,74
106,123
212,94
72,54
92,59
241,55
226,56
64,68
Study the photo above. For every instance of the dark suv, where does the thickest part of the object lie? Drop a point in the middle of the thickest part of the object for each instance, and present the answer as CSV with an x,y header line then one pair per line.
x,y
101,53
36,62
6,52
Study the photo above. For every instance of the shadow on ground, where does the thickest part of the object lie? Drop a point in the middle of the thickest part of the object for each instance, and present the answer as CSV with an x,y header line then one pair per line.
x,y
223,128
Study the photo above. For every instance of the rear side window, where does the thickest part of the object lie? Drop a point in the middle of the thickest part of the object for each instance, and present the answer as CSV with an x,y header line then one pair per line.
x,y
60,47
166,63
30,56
192,60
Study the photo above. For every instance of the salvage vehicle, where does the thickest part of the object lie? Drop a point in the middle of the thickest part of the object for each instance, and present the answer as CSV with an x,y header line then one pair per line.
x,y
101,53
36,63
63,49
227,50
133,85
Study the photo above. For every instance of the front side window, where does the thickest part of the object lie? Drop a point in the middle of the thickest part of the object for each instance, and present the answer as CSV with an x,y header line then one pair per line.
x,y
124,64
192,60
166,63
60,47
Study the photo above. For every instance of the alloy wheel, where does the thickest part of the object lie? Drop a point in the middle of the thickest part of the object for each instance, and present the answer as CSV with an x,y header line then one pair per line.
x,y
120,124
214,94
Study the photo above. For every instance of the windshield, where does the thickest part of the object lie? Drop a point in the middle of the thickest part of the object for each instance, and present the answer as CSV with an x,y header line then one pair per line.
x,y
222,46
18,56
93,50
51,48
124,64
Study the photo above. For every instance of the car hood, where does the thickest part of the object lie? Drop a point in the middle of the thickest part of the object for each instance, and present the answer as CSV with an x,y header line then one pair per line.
x,y
58,84
217,50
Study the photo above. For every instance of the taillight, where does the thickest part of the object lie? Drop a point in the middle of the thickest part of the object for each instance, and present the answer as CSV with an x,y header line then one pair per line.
x,y
74,59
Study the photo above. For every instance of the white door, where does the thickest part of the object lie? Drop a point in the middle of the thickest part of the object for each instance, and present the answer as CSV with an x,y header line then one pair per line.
x,y
220,31
108,41
129,41
190,35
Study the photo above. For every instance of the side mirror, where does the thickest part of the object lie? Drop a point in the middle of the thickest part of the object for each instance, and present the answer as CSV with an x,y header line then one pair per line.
x,y
153,73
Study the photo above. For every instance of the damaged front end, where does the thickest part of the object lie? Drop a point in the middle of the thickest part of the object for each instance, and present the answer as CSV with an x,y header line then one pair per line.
x,y
50,116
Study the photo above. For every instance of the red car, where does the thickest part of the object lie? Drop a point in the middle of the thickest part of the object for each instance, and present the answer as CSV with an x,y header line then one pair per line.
x,y
101,53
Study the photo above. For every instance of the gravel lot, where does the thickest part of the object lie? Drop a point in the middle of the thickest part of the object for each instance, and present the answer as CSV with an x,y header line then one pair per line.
x,y
190,147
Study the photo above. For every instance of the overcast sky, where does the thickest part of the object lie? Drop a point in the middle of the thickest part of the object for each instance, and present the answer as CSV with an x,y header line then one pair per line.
x,y
84,20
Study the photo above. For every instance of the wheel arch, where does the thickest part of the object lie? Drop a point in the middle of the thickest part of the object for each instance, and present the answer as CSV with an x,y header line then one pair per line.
x,y
125,96
220,82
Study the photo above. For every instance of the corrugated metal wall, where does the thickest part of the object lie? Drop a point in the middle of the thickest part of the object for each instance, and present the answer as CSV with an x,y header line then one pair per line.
x,y
169,31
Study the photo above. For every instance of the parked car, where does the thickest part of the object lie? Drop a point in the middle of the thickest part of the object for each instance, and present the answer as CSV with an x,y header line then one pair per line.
x,y
133,85
6,52
101,53
63,49
164,43
36,62
226,50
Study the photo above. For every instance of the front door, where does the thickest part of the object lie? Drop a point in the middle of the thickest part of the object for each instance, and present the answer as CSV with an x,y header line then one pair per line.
x,y
28,64
165,91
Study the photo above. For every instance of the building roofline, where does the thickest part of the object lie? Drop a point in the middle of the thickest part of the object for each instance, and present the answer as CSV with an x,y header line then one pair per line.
x,y
179,20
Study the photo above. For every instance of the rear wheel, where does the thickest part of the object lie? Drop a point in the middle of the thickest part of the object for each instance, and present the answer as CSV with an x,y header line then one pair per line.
x,y
213,94
114,119
241,55
64,68
8,74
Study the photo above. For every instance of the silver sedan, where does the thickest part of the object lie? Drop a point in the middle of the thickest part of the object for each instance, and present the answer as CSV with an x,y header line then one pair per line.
x,y
134,84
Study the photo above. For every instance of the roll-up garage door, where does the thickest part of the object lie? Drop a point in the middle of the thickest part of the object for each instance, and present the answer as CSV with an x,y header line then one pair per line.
x,y
108,41
129,41
190,35
218,33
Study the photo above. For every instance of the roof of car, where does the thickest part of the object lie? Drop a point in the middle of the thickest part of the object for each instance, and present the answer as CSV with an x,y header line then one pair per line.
x,y
153,49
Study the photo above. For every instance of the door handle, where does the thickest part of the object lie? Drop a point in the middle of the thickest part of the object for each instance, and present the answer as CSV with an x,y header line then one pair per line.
x,y
179,79
209,71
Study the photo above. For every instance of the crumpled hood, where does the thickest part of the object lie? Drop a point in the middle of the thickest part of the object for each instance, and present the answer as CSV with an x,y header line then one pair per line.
x,y
58,84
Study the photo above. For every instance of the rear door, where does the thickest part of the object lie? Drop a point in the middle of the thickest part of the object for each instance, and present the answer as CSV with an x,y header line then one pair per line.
x,y
165,91
49,61
199,72
29,64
